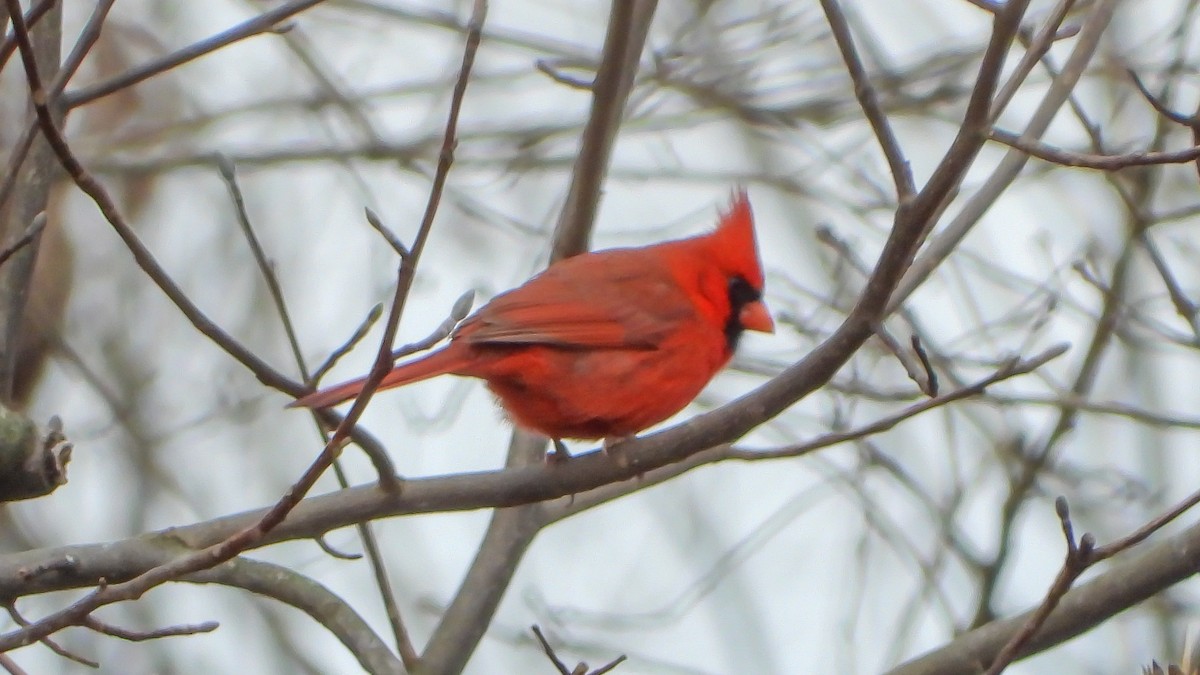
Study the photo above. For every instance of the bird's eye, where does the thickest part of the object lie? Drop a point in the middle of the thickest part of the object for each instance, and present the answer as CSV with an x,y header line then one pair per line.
x,y
741,293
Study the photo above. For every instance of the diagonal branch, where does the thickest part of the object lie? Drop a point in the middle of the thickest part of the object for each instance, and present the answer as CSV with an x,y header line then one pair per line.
x,y
1088,160
379,457
325,607
869,101
263,23
945,242
1074,612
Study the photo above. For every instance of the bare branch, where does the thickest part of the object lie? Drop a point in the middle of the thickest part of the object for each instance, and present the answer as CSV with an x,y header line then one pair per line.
x,y
1184,306
1091,161
1015,368
8,45
11,666
359,333
458,312
1190,121
388,236
869,100
35,229
263,23
1124,585
99,626
325,607
1077,560
1035,50
328,548
48,643
948,239
581,668
558,664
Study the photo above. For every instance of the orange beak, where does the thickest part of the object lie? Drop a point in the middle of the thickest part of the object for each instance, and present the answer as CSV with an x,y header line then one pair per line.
x,y
756,316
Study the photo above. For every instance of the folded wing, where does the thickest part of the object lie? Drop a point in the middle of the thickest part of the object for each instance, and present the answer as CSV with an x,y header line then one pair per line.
x,y
615,299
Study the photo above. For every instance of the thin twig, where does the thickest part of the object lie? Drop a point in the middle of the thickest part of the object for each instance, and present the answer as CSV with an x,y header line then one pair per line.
x,y
141,636
9,44
1080,556
1086,160
1014,369
549,650
458,311
50,643
1179,298
407,269
1077,560
552,71
384,467
1035,49
918,371
229,176
35,228
329,550
404,644
263,23
610,666
83,46
931,377
1160,106
359,333
868,99
581,668
406,272
390,237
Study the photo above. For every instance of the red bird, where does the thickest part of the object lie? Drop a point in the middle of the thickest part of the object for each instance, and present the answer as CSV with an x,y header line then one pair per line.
x,y
605,344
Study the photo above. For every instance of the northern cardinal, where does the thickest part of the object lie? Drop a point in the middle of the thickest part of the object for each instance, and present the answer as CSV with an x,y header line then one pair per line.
x,y
605,344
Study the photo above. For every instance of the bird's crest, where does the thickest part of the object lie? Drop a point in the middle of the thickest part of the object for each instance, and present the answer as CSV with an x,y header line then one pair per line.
x,y
734,244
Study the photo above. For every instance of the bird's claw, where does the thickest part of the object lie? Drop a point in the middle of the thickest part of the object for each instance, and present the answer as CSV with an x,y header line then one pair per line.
x,y
614,449
560,454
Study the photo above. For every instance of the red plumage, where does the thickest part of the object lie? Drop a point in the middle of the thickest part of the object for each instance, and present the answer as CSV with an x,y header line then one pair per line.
x,y
605,344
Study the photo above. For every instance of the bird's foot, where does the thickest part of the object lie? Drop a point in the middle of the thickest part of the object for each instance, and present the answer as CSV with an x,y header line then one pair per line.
x,y
613,447
560,454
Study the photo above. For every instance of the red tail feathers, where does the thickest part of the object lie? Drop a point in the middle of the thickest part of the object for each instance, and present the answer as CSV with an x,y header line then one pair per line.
x,y
443,361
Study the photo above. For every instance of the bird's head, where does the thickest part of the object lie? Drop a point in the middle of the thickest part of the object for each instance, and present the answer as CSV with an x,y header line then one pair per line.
x,y
734,248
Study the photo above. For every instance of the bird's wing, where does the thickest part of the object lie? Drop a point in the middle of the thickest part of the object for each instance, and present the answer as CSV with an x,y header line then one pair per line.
x,y
616,299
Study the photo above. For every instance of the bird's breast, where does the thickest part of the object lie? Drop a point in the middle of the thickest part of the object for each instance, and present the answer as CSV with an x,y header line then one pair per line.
x,y
597,393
